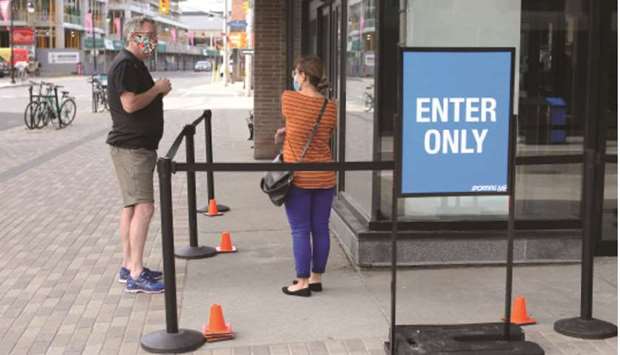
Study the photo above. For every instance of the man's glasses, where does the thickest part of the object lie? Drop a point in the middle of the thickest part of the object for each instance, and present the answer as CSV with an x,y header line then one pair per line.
x,y
147,34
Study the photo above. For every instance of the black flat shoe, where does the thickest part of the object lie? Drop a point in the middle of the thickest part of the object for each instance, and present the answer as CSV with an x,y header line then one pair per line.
x,y
315,287
304,292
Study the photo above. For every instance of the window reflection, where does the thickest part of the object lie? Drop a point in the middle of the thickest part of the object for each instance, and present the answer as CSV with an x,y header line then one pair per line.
x,y
360,99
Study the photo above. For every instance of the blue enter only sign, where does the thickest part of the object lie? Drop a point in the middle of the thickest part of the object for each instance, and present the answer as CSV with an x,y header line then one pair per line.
x,y
456,117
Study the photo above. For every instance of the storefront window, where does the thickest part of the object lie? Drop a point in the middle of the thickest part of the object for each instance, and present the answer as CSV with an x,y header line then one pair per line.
x,y
552,77
456,23
550,38
73,39
360,102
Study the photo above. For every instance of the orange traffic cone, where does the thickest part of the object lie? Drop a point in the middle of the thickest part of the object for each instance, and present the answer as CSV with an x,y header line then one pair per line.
x,y
226,245
217,329
519,313
213,209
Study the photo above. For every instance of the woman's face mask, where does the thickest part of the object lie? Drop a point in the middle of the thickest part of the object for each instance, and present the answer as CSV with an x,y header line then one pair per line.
x,y
296,83
146,43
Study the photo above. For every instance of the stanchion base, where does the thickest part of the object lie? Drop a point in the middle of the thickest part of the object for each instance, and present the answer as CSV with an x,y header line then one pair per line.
x,y
220,208
163,342
585,329
199,252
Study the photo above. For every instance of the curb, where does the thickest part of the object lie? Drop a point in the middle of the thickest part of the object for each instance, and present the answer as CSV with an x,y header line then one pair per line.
x,y
20,85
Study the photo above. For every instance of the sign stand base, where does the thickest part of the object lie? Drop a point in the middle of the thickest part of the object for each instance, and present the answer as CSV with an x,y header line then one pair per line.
x,y
487,338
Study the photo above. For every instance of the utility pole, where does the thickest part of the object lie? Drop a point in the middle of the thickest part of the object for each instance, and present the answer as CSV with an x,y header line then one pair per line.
x,y
225,61
92,28
12,38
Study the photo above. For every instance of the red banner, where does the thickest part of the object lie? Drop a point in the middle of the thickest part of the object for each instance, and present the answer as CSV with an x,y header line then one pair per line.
x,y
88,22
4,9
117,27
24,36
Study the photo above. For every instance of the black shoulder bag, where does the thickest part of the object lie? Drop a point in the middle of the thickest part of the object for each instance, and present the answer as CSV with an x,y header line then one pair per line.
x,y
276,184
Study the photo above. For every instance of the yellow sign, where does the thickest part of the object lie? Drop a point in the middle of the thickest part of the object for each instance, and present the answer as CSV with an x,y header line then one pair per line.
x,y
238,40
164,7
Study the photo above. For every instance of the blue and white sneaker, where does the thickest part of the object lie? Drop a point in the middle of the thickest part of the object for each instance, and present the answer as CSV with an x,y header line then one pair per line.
x,y
144,284
123,274
154,275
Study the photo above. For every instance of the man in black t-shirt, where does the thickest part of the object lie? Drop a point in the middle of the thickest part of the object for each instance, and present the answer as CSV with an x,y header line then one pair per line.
x,y
136,107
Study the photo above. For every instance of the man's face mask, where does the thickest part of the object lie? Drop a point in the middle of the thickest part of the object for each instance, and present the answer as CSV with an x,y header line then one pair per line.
x,y
146,43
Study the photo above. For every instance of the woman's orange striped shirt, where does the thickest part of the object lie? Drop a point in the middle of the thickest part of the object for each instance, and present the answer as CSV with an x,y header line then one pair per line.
x,y
300,113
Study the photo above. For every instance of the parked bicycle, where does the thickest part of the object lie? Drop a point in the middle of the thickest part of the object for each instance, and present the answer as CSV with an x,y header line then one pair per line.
x,y
50,109
369,98
99,84
34,99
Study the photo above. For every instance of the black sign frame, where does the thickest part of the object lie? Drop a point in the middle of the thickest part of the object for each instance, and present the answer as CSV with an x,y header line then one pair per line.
x,y
398,136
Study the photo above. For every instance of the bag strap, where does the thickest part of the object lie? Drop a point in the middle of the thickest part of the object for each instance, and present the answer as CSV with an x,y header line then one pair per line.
x,y
314,130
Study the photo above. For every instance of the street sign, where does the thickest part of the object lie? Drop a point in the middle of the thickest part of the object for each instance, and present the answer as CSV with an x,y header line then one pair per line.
x,y
456,121
63,57
164,7
88,43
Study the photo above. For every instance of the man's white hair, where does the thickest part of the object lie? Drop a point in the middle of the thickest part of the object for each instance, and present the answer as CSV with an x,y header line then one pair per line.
x,y
135,25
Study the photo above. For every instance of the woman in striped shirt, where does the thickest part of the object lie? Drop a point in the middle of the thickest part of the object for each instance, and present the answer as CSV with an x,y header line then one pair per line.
x,y
309,201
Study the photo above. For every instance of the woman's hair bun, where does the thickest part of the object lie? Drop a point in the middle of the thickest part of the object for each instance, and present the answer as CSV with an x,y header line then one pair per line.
x,y
323,84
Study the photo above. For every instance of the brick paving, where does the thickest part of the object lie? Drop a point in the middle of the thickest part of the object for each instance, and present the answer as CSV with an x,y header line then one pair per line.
x,y
61,253
59,293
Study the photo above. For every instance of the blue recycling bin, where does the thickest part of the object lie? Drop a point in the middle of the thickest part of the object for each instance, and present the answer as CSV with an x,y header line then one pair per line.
x,y
557,120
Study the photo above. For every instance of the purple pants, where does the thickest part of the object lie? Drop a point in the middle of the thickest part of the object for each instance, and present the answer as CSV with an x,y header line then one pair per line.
x,y
308,213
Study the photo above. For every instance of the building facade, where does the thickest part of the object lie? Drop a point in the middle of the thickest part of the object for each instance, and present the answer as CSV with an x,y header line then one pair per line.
x,y
65,34
207,28
566,170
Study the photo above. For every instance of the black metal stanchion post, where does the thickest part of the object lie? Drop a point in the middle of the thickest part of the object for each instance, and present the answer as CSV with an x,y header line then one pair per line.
x,y
193,251
393,288
585,326
173,339
209,152
511,227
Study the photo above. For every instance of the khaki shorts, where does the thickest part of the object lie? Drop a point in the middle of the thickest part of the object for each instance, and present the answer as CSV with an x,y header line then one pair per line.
x,y
134,170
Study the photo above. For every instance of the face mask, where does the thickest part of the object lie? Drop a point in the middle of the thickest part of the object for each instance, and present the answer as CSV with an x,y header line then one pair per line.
x,y
296,85
145,43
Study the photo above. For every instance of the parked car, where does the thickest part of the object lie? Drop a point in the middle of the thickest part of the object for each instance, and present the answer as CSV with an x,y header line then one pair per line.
x,y
202,65
4,68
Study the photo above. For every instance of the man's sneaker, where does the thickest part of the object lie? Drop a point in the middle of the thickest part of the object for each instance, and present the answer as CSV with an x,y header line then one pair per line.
x,y
123,274
144,284
154,275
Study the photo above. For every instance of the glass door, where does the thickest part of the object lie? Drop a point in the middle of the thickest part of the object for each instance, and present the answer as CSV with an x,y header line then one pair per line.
x,y
328,19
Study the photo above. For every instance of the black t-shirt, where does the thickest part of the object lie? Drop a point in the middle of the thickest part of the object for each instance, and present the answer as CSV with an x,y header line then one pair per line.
x,y
143,128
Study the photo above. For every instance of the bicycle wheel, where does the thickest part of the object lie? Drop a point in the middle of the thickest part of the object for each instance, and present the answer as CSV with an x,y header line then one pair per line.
x,y
42,114
29,115
103,102
67,112
95,100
